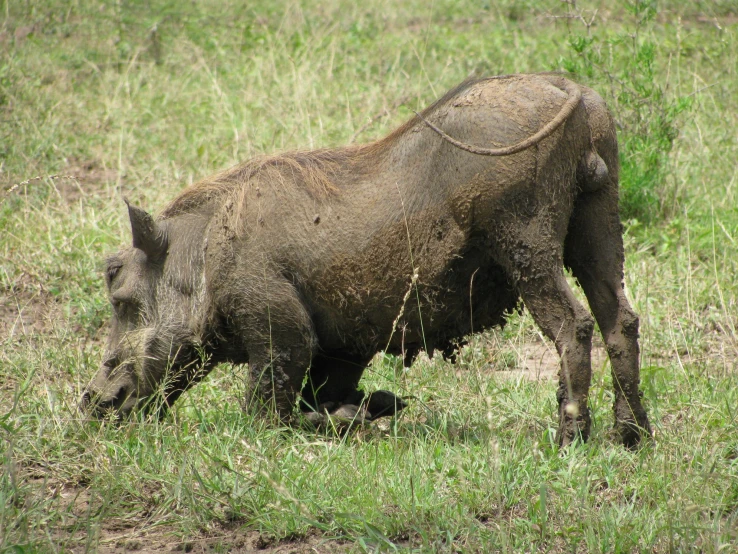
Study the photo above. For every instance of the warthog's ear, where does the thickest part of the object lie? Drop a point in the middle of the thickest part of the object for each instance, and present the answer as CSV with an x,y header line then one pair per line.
x,y
147,235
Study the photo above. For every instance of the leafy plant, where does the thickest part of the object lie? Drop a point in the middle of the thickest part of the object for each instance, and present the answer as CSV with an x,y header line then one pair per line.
x,y
647,112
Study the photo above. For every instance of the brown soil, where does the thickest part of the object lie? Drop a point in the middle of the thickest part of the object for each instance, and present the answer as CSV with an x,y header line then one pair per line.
x,y
142,535
538,360
147,538
161,539
720,21
235,541
78,180
87,176
27,308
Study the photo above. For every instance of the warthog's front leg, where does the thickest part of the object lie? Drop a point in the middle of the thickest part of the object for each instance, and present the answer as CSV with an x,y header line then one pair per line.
x,y
279,337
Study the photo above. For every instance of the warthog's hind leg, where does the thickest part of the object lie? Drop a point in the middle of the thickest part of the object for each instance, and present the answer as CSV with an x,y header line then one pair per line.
x,y
594,251
569,325
333,377
332,390
535,258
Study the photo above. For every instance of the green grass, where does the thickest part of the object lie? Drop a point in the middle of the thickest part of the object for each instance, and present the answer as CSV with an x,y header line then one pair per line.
x,y
141,99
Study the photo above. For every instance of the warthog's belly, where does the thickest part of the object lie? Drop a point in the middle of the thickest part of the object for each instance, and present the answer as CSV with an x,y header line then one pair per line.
x,y
435,288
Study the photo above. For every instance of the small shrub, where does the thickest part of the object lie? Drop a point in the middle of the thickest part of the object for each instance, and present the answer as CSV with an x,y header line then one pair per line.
x,y
624,67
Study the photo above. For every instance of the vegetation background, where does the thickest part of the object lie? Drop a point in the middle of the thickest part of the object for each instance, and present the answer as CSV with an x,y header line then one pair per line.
x,y
100,99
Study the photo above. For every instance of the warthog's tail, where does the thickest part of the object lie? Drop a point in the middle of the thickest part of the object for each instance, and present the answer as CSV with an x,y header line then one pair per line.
x,y
575,94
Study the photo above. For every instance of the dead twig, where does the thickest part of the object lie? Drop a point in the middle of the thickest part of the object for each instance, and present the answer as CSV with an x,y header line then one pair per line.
x,y
54,177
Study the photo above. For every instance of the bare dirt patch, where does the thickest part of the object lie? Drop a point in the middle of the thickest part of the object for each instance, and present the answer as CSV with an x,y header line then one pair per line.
x,y
538,360
88,176
234,541
78,180
719,22
142,534
27,308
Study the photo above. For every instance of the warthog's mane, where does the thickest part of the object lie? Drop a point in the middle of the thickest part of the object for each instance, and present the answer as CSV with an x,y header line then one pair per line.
x,y
314,170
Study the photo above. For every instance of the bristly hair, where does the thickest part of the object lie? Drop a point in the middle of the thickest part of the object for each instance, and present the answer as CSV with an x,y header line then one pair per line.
x,y
313,170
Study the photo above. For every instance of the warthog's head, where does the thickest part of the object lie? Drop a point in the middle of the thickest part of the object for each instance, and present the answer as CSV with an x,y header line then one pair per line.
x,y
151,348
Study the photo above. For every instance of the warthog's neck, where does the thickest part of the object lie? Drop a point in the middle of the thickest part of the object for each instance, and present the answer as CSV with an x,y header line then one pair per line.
x,y
181,294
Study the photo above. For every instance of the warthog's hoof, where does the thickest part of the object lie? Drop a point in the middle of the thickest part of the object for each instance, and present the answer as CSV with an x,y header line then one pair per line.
x,y
574,423
341,419
631,422
351,413
383,403
632,433
354,413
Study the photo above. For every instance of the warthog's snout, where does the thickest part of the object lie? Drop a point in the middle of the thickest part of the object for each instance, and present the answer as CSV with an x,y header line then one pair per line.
x,y
99,404
108,395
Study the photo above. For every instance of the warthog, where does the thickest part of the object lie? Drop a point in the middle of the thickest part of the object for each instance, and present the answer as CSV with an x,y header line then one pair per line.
x,y
306,264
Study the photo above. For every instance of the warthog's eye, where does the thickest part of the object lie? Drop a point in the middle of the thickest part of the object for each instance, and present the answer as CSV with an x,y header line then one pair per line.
x,y
112,271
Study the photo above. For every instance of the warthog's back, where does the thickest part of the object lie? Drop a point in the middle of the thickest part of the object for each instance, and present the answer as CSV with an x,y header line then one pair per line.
x,y
409,205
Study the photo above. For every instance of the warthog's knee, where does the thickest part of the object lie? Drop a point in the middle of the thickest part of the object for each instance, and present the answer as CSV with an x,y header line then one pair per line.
x,y
630,323
585,327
